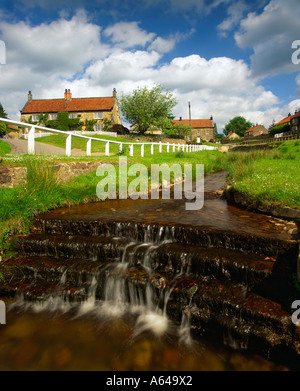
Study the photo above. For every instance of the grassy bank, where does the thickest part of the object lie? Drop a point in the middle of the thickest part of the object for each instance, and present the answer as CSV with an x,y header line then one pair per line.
x,y
268,176
4,148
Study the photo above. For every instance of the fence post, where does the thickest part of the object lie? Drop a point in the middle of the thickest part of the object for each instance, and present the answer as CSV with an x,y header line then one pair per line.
x,y
120,148
174,147
107,149
168,147
142,150
152,149
31,141
131,150
69,145
89,147
160,147
178,147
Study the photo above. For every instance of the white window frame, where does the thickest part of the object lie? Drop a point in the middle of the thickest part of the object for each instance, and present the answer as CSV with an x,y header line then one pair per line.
x,y
53,116
72,115
35,117
98,115
207,131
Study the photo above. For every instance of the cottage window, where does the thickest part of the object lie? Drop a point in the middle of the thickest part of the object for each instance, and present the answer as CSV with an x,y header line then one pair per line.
x,y
207,131
73,115
207,138
198,131
53,116
35,117
98,127
98,115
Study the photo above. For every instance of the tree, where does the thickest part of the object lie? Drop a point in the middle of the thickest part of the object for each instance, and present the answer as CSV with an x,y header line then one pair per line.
x,y
2,112
3,128
146,107
280,128
239,125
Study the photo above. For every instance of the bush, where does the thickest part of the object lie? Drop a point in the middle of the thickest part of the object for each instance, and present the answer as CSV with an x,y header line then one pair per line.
x,y
3,129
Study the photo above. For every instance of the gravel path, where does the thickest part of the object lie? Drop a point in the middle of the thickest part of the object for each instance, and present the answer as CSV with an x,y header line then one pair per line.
x,y
19,147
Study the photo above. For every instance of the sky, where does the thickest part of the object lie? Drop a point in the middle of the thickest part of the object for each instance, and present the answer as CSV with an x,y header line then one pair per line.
x,y
225,57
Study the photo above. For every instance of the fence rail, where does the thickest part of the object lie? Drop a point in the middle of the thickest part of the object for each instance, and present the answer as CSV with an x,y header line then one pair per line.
x,y
169,147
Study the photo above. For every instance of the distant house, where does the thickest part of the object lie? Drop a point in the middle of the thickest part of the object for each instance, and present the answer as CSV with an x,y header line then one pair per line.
x,y
202,129
97,109
255,131
232,136
285,121
295,122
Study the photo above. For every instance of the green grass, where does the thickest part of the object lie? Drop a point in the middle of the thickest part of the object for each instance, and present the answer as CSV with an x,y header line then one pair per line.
x,y
269,176
4,148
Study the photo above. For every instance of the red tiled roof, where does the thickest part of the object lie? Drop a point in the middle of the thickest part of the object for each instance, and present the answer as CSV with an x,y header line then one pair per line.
x,y
284,120
296,115
77,104
250,130
195,123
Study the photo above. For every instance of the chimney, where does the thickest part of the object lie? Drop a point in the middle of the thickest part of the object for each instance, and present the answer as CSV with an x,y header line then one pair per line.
x,y
68,95
114,93
211,118
180,118
190,115
29,96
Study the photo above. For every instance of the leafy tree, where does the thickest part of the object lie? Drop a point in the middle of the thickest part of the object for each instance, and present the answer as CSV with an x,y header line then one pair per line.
x,y
3,127
280,128
146,107
239,125
2,112
182,130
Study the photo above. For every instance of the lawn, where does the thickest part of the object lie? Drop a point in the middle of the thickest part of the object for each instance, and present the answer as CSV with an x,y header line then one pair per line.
x,y
268,176
4,148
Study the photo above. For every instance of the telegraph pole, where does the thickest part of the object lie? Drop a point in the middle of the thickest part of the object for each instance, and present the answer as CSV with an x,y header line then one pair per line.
x,y
190,117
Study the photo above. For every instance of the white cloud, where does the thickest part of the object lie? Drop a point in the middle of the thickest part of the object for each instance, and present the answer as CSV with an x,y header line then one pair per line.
x,y
165,45
62,46
235,13
128,35
271,34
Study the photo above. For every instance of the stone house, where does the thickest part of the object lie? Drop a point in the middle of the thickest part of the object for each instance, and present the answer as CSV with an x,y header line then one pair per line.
x,y
255,131
97,109
232,136
295,122
202,129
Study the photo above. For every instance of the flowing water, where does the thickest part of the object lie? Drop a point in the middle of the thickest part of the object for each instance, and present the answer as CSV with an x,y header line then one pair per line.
x,y
146,285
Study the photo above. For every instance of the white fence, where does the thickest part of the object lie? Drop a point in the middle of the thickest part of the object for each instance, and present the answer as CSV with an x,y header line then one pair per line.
x,y
169,147
98,132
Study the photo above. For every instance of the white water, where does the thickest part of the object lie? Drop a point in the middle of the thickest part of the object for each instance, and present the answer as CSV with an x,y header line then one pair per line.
x,y
122,295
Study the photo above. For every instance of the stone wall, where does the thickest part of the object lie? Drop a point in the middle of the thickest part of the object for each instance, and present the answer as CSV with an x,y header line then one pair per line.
x,y
11,176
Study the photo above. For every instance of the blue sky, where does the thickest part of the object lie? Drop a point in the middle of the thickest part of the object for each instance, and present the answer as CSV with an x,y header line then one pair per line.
x,y
226,57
